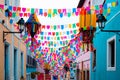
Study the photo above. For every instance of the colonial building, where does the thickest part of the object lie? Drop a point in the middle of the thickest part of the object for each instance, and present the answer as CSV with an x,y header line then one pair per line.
x,y
83,59
105,60
31,65
12,48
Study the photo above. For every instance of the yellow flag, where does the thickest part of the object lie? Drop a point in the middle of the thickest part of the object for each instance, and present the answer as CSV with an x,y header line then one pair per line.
x,y
82,20
28,9
69,25
49,11
113,4
60,33
92,7
108,10
87,20
93,20
17,13
54,38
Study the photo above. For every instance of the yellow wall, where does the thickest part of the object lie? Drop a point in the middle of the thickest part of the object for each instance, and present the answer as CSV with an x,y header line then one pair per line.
x,y
16,43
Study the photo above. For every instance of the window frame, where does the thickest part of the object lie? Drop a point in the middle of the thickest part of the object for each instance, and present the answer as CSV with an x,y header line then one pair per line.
x,y
8,59
94,60
22,63
110,68
15,63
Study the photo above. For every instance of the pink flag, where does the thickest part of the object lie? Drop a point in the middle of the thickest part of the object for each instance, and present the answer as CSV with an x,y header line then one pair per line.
x,y
23,9
14,8
1,6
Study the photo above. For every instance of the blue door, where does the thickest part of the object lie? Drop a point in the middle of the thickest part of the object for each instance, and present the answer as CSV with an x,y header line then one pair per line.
x,y
15,64
6,62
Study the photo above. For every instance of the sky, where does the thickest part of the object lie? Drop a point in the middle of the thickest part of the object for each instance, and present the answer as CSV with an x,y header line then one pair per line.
x,y
52,4
49,3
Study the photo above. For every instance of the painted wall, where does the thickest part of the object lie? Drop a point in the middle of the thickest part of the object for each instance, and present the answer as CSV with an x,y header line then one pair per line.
x,y
14,42
85,58
100,44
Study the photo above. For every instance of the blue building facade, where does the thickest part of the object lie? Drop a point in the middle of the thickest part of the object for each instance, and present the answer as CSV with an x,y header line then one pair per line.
x,y
105,60
31,65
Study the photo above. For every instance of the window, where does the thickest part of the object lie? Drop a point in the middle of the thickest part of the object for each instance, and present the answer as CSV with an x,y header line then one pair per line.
x,y
94,60
27,59
111,53
15,64
22,65
31,62
6,62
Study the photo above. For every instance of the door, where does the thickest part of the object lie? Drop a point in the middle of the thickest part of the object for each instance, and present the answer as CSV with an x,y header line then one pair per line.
x,y
6,62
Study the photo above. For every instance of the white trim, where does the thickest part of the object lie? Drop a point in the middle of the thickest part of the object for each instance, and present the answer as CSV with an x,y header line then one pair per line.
x,y
109,40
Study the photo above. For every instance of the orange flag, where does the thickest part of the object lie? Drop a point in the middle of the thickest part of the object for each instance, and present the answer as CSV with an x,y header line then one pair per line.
x,y
93,20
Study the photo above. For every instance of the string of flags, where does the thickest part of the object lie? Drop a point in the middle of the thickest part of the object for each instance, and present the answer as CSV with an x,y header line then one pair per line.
x,y
25,12
45,49
61,27
69,48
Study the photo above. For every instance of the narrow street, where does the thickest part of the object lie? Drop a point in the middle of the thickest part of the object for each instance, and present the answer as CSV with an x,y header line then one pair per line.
x,y
60,39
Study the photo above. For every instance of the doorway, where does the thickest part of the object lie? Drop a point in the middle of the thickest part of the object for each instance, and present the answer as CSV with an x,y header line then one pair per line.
x,y
6,62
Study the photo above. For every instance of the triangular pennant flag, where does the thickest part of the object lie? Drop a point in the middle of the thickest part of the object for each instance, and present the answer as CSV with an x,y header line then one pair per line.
x,y
68,32
49,11
49,15
54,11
25,14
58,38
74,10
21,14
57,33
61,15
14,14
70,25
19,9
54,27
108,10
1,6
14,8
40,11
32,10
23,9
10,8
62,26
113,4
75,31
64,11
96,7
69,14
105,6
59,11
28,10
73,25
45,14
36,11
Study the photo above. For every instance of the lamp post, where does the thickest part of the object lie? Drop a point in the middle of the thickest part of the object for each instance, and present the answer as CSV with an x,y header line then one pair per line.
x,y
20,23
101,23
